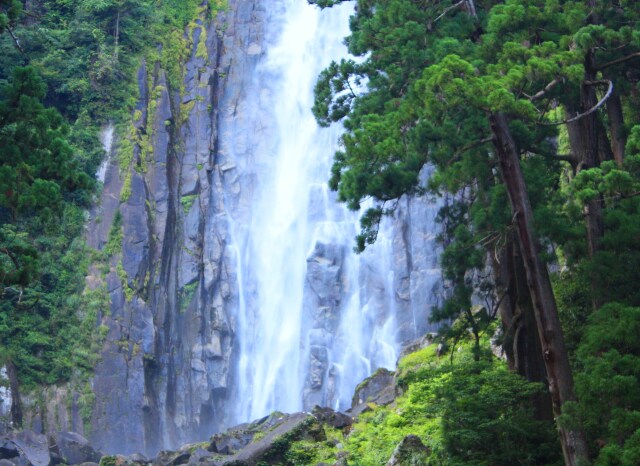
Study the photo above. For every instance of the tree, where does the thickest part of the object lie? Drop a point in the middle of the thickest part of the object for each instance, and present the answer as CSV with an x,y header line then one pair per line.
x,y
469,89
10,11
37,164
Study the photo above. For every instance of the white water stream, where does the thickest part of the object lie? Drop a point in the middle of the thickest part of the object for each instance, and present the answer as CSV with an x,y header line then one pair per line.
x,y
292,219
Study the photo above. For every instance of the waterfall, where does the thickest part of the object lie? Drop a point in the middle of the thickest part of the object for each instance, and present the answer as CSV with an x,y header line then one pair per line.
x,y
290,163
313,319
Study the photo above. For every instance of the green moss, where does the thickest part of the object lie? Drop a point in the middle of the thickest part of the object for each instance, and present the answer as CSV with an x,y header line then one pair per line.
x,y
86,404
108,460
201,50
187,202
124,279
125,192
186,294
114,243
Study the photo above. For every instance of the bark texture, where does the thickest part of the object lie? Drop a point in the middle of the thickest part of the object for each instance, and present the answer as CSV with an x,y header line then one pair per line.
x,y
574,445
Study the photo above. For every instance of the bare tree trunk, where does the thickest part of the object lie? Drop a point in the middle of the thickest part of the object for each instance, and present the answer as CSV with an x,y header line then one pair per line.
x,y
554,353
616,126
590,146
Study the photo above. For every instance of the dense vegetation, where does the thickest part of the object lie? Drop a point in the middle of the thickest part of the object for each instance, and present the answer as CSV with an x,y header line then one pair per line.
x,y
66,68
525,110
527,113
464,411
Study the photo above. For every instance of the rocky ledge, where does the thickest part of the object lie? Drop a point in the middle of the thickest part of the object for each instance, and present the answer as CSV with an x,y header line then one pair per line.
x,y
267,441
261,442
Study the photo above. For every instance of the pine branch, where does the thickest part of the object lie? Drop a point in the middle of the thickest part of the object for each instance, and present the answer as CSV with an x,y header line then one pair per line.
x,y
592,109
448,9
544,91
617,61
15,39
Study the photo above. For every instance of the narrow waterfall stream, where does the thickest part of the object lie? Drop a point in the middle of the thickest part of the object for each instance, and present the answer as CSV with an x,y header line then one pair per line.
x,y
314,319
292,158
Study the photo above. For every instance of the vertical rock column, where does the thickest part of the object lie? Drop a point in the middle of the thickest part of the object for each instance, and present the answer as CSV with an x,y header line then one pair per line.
x,y
164,372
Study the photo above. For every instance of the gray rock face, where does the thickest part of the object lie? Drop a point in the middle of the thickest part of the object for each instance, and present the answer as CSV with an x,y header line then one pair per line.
x,y
166,361
33,449
380,389
168,365
73,448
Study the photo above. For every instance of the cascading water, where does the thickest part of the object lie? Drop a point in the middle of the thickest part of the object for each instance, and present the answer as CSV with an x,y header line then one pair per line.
x,y
290,162
313,318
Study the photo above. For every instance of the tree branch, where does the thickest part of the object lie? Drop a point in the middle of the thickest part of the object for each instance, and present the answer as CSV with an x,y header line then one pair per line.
x,y
456,155
15,39
619,60
448,9
544,91
592,109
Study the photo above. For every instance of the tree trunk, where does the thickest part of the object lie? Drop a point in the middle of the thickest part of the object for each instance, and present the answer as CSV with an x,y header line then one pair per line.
x,y
521,341
585,145
590,146
616,127
16,403
555,356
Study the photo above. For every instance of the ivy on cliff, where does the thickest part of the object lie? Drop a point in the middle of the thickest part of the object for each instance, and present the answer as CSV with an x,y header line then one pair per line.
x,y
66,68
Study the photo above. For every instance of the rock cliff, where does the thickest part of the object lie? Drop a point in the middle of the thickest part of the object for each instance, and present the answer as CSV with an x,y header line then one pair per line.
x,y
174,182
165,366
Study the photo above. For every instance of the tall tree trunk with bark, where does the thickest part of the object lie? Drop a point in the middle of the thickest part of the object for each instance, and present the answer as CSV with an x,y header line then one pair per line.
x,y
585,144
616,127
521,341
574,446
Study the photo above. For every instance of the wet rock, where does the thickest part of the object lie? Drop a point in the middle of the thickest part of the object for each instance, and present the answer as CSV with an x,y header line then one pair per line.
x,y
233,440
8,449
73,448
33,447
138,458
270,447
380,389
332,418
172,458
410,452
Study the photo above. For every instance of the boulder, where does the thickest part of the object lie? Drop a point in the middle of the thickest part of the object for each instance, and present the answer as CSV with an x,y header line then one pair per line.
x,y
34,448
290,427
172,458
8,449
380,389
332,418
73,448
410,452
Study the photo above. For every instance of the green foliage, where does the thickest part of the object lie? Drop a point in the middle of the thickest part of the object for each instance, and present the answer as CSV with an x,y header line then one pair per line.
x,y
44,185
38,169
10,11
187,202
114,243
82,56
608,385
466,413
186,295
